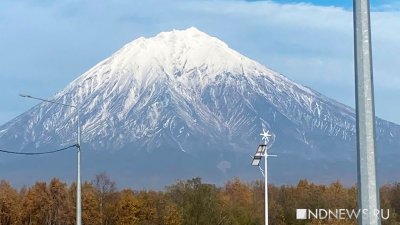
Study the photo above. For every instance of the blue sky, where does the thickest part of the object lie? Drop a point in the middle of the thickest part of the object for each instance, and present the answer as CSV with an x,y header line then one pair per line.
x,y
348,4
46,44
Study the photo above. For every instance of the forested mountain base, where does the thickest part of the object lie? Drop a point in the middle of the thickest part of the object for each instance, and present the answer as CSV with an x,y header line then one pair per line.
x,y
190,202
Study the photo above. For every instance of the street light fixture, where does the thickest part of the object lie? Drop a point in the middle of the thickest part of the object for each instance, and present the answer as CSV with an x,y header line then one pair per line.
x,y
78,146
262,151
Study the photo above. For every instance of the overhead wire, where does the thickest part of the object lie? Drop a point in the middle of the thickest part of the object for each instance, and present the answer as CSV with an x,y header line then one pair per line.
x,y
38,153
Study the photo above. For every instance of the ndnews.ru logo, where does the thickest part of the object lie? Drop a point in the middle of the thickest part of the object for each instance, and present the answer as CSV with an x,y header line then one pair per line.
x,y
338,214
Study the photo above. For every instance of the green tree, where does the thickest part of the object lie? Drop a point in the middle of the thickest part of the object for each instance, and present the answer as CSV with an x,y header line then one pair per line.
x,y
198,202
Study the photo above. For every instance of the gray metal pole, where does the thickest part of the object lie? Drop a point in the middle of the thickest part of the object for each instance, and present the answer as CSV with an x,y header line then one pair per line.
x,y
78,177
266,186
368,194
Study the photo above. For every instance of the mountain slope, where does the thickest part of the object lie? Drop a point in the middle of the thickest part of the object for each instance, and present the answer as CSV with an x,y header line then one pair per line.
x,y
185,95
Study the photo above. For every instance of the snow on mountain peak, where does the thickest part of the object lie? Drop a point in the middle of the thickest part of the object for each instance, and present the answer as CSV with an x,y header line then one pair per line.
x,y
174,76
179,51
183,61
189,33
173,54
187,57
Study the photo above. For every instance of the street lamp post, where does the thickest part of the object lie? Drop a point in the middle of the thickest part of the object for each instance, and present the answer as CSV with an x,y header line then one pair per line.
x,y
78,146
262,151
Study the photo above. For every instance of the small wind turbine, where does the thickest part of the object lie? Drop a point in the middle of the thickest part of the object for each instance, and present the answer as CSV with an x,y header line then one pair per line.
x,y
265,136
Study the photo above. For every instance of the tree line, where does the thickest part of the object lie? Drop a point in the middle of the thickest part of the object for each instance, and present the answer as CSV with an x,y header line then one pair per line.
x,y
190,202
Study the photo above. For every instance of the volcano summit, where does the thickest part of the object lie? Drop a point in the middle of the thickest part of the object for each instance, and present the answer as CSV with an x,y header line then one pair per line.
x,y
183,104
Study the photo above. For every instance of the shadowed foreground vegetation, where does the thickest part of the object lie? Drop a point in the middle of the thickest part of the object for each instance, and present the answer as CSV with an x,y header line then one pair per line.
x,y
190,202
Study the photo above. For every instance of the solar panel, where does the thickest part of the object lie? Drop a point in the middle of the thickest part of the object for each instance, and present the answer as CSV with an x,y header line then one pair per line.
x,y
259,154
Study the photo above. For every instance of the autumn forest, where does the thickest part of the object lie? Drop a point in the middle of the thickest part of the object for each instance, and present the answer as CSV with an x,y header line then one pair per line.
x,y
190,202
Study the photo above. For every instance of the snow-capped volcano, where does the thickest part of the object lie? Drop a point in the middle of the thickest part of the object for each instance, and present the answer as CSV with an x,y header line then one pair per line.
x,y
187,94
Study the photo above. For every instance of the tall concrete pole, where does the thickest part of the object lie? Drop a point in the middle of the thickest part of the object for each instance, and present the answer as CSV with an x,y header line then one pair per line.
x,y
368,194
